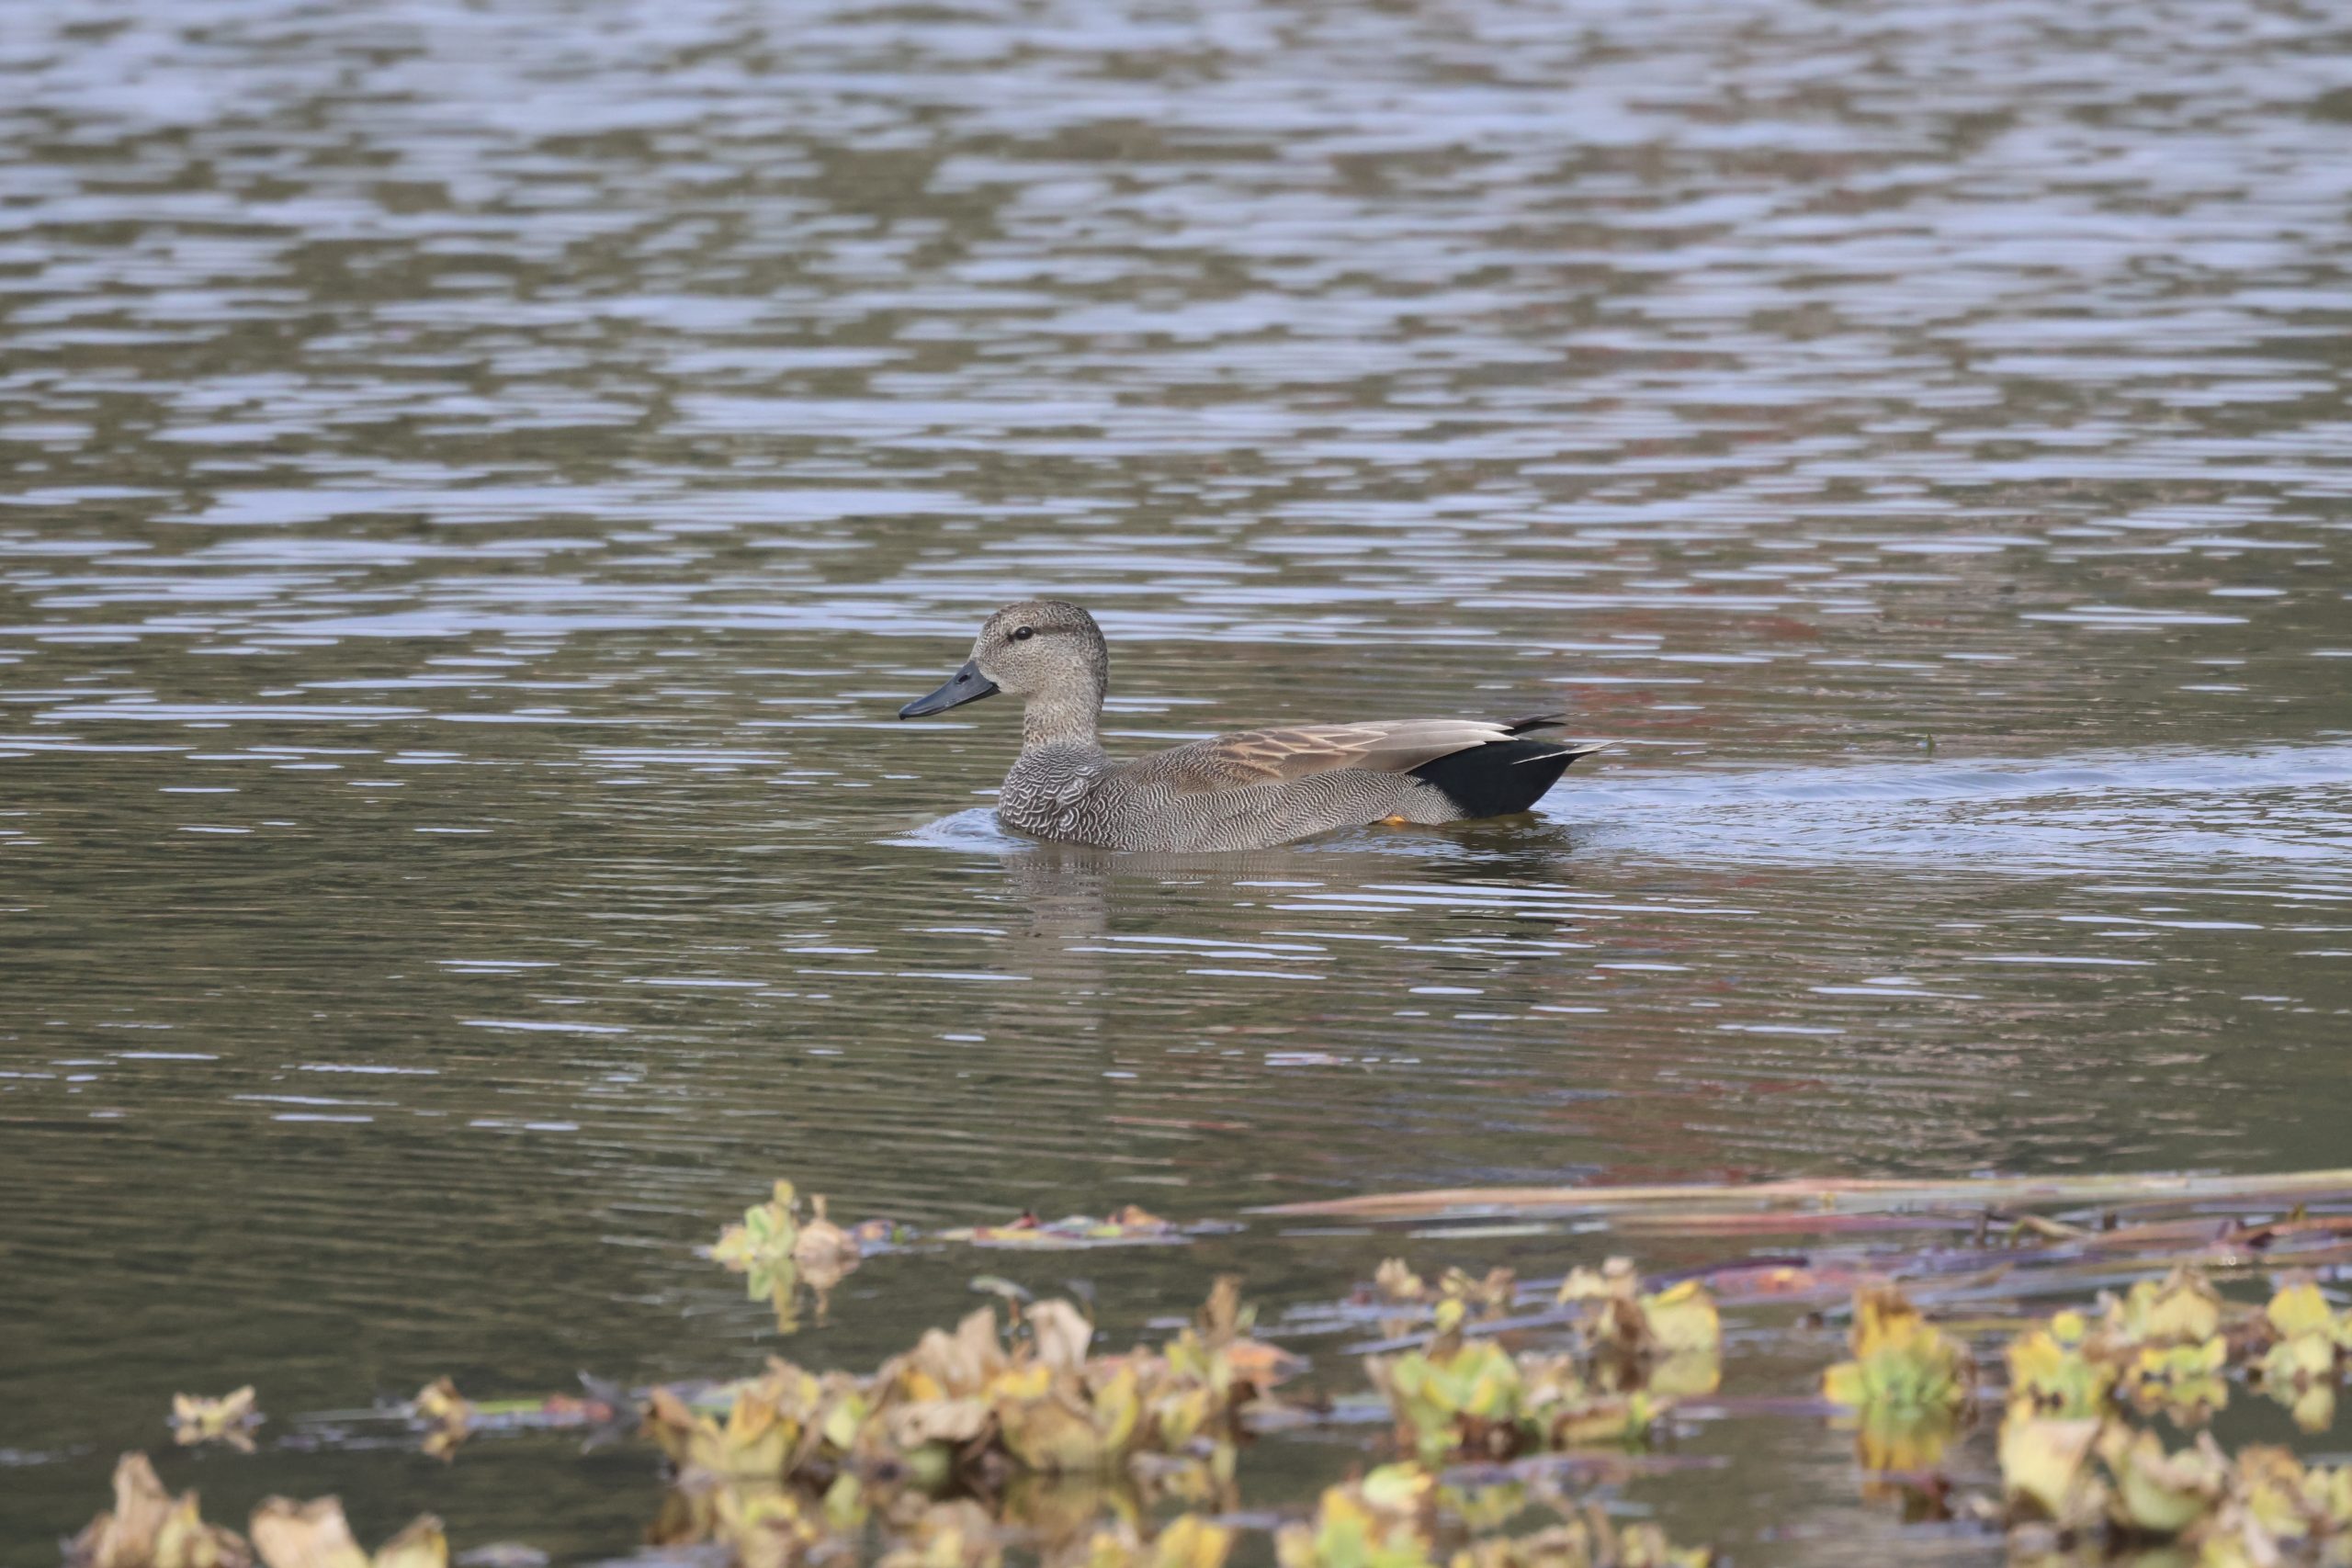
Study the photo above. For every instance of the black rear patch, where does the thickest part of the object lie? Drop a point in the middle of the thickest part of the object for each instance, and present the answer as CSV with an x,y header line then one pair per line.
x,y
1499,777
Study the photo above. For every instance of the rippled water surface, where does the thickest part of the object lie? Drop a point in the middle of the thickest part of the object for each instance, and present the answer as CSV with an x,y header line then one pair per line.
x,y
476,481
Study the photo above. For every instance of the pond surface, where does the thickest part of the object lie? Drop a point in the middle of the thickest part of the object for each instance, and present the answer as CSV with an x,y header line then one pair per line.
x,y
475,481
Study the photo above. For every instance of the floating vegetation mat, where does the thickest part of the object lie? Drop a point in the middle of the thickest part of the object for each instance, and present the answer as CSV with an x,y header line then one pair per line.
x,y
790,1254
2034,1364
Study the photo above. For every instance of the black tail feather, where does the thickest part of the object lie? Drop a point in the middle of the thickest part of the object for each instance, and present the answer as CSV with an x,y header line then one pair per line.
x,y
1500,777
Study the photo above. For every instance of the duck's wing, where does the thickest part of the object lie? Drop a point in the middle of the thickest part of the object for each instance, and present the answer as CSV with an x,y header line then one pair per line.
x,y
1382,746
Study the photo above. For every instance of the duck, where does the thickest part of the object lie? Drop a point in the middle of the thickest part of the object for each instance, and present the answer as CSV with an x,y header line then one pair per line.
x,y
1249,790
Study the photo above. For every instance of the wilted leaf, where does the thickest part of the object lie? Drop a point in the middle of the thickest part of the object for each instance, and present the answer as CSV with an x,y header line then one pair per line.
x,y
1492,1292
1683,1317
1395,1280
1382,1521
1059,1424
2299,1309
1614,1321
2186,1380
2181,1309
446,1415
761,1525
2299,1373
2050,1367
1453,1397
2276,1500
421,1545
774,1423
1388,1521
149,1528
767,1236
1587,1540
1901,1360
1186,1541
954,1422
942,1365
1222,1318
286,1534
229,1419
754,1441
2158,1494
2045,1468
305,1535
126,1537
822,1247
2314,1409
1615,1277
1061,1333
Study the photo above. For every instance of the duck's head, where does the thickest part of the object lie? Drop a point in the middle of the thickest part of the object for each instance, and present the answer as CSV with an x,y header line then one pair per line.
x,y
1039,647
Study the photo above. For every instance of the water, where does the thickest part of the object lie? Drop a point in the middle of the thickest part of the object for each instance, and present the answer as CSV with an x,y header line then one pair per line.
x,y
475,482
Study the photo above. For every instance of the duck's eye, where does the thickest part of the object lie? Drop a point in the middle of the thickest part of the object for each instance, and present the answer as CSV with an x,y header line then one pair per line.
x,y
1023,634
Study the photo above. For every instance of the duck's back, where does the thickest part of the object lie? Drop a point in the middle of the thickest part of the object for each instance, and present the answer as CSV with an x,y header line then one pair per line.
x,y
1259,788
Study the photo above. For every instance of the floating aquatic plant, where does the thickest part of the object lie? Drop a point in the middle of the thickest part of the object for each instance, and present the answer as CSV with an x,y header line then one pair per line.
x,y
149,1527
1027,1395
1901,1361
288,1534
2071,1460
772,1426
2170,1346
446,1415
778,1250
1389,1519
1016,1434
1666,1342
2308,1342
1129,1226
1492,1294
782,1249
767,1236
1051,1407
1619,1317
2053,1369
775,1235
1186,1541
1472,1399
2080,1477
1907,1383
2182,1309
230,1420
1385,1521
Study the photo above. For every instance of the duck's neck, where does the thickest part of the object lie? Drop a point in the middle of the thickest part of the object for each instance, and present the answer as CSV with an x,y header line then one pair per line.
x,y
1068,717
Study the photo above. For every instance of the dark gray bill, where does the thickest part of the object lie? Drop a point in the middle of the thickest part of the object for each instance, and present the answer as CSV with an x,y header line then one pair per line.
x,y
966,685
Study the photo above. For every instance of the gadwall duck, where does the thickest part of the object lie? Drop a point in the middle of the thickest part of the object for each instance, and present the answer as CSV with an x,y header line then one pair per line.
x,y
1248,791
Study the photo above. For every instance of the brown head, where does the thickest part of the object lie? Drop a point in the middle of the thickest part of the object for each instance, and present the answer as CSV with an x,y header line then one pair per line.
x,y
1044,651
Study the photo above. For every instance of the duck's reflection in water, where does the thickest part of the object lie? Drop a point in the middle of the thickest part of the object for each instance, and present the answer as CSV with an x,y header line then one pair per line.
x,y
1076,912
1173,991
1072,892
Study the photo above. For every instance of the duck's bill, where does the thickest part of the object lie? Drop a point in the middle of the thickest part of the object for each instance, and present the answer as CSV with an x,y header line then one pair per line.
x,y
966,685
